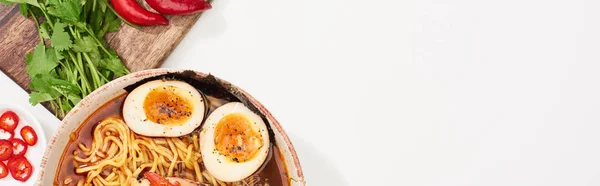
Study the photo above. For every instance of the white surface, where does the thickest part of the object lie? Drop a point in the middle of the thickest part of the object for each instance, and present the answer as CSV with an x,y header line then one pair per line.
x,y
418,92
34,153
435,92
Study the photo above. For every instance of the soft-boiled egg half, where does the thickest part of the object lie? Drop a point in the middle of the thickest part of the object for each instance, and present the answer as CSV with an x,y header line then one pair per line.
x,y
164,108
234,142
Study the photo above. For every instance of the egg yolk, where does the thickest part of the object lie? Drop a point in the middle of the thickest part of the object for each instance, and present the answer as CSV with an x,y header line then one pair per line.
x,y
164,106
236,139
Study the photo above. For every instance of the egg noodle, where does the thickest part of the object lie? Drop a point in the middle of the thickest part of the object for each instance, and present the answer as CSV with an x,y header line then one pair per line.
x,y
118,156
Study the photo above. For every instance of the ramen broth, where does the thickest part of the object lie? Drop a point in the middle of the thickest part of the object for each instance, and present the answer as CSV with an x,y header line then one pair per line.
x,y
273,170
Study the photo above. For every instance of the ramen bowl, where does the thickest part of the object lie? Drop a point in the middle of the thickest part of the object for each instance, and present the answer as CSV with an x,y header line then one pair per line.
x,y
51,161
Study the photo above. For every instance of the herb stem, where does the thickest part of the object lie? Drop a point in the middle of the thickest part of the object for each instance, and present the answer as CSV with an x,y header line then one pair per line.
x,y
43,8
36,24
61,107
78,34
84,85
103,78
97,41
95,79
54,107
84,74
73,33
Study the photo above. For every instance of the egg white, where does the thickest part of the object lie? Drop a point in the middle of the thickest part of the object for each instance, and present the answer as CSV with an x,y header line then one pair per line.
x,y
135,116
217,164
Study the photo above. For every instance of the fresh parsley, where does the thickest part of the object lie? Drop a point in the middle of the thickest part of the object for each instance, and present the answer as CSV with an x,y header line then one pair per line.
x,y
72,58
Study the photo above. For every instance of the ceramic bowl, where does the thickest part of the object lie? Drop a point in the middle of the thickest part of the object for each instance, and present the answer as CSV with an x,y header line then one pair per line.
x,y
117,87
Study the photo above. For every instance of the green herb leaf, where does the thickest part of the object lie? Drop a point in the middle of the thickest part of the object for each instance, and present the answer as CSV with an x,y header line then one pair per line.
x,y
102,6
96,21
66,105
54,88
84,44
71,96
95,56
69,10
114,65
113,52
44,30
112,22
62,73
23,8
64,87
68,90
31,2
35,10
59,55
80,25
52,55
39,63
38,97
114,25
28,57
105,73
60,39
87,9
41,83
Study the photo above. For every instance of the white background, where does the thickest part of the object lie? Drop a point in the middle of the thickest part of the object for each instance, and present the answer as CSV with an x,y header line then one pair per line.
x,y
418,92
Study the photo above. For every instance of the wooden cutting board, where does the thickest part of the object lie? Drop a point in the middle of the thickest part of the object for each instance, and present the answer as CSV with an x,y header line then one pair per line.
x,y
140,49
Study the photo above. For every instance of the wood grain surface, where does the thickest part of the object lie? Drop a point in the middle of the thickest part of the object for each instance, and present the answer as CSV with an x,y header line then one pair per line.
x,y
141,49
17,37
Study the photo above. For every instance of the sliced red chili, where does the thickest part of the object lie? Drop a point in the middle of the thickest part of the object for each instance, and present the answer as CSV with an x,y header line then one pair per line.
x,y
9,121
29,135
20,168
10,163
6,135
6,150
177,7
3,170
131,11
19,147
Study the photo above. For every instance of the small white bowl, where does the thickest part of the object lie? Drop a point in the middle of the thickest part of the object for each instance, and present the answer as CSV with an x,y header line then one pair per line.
x,y
34,153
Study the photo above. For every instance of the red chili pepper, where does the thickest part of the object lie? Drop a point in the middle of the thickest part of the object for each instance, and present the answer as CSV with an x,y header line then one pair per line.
x,y
131,11
177,7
